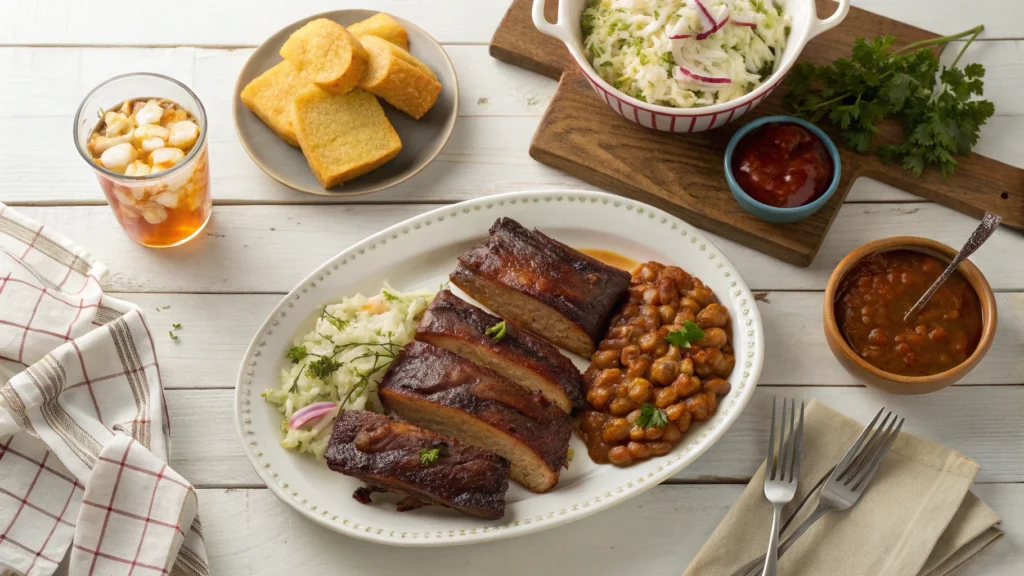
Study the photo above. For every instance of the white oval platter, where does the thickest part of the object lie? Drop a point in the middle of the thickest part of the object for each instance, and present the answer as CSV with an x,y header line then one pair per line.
x,y
420,252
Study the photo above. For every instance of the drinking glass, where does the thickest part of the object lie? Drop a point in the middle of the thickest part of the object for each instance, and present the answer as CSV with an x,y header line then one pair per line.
x,y
184,205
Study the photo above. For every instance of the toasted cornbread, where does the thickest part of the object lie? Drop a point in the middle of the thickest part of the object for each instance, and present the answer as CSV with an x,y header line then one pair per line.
x,y
271,97
382,26
343,135
327,54
393,75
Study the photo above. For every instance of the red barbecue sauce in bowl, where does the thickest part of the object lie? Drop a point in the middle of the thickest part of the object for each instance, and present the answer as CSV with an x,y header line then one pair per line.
x,y
783,165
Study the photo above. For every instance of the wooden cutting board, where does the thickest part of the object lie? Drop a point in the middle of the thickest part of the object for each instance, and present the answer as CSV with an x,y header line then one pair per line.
x,y
684,174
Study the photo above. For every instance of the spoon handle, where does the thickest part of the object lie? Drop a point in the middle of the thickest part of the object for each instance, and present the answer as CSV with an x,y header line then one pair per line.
x,y
985,229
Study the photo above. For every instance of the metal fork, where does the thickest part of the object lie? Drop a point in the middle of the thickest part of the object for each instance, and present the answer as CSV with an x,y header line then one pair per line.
x,y
848,479
780,475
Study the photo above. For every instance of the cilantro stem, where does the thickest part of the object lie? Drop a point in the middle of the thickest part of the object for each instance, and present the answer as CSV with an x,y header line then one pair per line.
x,y
945,39
964,49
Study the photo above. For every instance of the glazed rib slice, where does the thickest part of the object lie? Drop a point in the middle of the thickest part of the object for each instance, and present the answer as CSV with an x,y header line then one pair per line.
x,y
444,392
542,285
451,322
385,453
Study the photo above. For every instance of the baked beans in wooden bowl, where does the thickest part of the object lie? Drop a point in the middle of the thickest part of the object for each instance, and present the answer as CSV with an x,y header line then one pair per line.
x,y
873,287
663,364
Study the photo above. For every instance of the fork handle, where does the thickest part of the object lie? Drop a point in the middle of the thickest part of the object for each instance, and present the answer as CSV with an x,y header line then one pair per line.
x,y
771,562
750,568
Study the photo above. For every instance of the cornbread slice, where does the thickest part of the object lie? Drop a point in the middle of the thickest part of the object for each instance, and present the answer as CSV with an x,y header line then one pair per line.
x,y
398,77
343,135
382,26
327,54
271,96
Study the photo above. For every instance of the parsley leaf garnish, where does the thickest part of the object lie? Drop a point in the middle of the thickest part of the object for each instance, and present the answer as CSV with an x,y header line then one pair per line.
x,y
689,333
296,354
935,105
322,368
651,417
497,332
430,455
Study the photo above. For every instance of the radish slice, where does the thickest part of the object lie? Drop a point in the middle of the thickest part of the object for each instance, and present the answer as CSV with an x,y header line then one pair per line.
x,y
747,24
680,37
311,412
704,79
715,28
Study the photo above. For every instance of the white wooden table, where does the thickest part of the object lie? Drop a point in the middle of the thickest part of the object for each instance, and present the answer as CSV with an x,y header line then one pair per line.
x,y
264,238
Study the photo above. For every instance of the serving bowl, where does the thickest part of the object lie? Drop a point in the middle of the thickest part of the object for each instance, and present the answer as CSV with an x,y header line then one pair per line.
x,y
896,383
805,26
422,140
774,213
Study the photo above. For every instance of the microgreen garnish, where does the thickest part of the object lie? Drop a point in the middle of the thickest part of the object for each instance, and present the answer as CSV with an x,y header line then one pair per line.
x,y
389,296
430,455
651,417
689,333
497,332
333,320
176,326
173,335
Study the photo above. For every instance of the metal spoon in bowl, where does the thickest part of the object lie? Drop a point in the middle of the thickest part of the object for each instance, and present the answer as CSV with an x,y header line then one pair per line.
x,y
988,225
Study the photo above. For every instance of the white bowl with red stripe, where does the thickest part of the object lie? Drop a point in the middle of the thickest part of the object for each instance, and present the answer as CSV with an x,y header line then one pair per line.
x,y
805,25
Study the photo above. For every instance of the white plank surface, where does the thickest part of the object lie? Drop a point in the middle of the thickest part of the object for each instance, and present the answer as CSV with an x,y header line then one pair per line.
x,y
656,533
207,452
264,238
271,248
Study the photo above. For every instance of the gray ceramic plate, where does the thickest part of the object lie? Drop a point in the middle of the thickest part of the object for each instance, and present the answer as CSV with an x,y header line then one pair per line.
x,y
422,140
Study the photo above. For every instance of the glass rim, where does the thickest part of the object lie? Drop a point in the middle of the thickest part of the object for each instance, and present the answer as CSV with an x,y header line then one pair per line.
x,y
196,148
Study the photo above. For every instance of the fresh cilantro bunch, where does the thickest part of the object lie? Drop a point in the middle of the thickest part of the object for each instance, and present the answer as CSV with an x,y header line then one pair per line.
x,y
933,103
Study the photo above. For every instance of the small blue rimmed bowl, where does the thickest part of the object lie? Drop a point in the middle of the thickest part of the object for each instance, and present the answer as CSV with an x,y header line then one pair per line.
x,y
773,213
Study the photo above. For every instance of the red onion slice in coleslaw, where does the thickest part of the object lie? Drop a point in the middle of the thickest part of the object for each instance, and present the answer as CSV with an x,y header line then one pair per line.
x,y
702,78
715,28
304,415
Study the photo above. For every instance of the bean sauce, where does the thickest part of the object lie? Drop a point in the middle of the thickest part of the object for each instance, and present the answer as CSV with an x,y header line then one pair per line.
x,y
876,293
782,165
636,370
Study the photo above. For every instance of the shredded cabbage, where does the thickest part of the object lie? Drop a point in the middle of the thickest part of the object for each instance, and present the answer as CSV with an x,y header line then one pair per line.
x,y
362,335
628,43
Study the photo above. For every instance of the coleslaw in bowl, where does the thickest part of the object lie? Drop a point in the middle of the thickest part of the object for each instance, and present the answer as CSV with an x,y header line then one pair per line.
x,y
685,65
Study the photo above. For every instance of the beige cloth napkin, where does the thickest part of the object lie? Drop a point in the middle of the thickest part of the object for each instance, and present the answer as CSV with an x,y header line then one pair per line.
x,y
917,517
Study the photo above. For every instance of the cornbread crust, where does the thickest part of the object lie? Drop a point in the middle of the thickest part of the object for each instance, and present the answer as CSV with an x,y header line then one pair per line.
x,y
402,84
343,135
271,97
327,54
383,26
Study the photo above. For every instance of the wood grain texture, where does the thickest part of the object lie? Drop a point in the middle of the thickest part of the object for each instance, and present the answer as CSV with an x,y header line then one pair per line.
x,y
684,174
208,452
271,248
251,532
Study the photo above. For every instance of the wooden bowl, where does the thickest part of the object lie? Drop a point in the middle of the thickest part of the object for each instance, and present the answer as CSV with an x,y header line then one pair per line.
x,y
896,383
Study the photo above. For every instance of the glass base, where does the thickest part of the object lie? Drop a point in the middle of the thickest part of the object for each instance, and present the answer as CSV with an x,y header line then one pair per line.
x,y
179,242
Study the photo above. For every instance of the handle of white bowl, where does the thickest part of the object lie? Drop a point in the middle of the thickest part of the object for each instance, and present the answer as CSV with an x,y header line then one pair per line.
x,y
819,25
557,30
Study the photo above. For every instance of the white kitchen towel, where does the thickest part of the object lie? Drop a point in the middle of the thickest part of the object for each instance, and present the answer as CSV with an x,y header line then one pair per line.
x,y
84,430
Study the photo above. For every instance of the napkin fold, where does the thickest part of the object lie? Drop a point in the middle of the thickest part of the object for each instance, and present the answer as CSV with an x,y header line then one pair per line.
x,y
84,430
917,517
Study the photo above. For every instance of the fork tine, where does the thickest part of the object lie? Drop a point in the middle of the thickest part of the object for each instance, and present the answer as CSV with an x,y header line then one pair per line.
x,y
769,470
791,445
869,451
782,442
799,441
858,460
841,467
864,478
